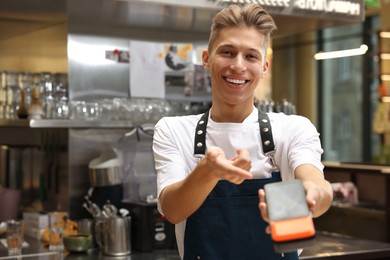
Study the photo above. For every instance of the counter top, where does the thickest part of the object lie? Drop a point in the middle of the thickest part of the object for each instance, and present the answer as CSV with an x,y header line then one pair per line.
x,y
335,246
327,246
385,169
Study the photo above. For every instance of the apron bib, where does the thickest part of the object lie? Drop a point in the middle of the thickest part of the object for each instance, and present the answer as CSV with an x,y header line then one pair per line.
x,y
228,225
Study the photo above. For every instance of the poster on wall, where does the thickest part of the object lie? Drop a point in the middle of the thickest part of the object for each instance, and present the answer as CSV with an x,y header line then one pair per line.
x,y
178,56
147,69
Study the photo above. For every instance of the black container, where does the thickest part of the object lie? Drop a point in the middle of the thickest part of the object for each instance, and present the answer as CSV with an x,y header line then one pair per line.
x,y
114,194
150,230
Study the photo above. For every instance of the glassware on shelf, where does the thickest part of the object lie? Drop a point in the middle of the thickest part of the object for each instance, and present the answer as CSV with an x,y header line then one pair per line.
x,y
85,110
35,111
12,91
61,107
3,94
48,101
25,82
22,108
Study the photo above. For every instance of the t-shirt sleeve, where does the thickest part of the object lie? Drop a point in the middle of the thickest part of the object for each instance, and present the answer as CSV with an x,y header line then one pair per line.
x,y
300,145
169,161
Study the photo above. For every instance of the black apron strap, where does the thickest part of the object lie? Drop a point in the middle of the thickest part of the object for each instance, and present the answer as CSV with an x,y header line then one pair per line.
x,y
200,135
267,139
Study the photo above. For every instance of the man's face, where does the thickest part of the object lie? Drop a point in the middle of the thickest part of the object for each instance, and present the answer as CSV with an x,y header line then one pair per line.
x,y
236,65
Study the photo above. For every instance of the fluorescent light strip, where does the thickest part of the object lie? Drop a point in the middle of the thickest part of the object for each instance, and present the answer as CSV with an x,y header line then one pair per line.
x,y
385,56
339,54
384,34
385,77
385,99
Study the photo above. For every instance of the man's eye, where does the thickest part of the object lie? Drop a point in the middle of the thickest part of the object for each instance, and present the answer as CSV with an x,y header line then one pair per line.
x,y
250,56
226,52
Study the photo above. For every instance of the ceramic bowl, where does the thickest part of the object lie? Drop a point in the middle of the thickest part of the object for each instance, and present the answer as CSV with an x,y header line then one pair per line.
x,y
78,242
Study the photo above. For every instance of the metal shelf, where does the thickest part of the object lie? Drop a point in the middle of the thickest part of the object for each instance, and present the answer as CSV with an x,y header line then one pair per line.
x,y
66,123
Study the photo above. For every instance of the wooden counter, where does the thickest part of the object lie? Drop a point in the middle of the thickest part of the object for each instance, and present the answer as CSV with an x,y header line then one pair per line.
x,y
373,211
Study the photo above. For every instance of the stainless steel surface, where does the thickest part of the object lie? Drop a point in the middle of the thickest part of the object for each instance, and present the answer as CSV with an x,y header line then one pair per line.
x,y
99,26
110,210
105,177
148,15
334,246
106,169
34,251
114,235
22,16
329,246
66,123
46,123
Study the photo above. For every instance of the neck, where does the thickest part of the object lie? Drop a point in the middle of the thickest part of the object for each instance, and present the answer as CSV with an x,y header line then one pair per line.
x,y
233,114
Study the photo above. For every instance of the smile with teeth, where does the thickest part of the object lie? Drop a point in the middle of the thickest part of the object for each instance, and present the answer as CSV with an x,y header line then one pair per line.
x,y
235,81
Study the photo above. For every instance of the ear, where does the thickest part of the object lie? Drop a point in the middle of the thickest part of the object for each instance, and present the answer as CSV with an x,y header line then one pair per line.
x,y
205,59
265,69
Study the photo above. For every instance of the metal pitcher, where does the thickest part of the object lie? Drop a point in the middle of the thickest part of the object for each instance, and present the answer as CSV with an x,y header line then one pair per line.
x,y
114,235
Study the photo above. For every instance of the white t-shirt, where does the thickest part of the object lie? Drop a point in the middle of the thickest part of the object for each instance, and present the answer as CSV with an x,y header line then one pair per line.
x,y
295,137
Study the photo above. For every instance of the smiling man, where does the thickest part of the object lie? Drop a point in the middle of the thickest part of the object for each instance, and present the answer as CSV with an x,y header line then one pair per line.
x,y
211,167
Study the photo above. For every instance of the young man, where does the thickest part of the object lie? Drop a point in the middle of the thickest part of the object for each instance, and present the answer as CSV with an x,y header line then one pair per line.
x,y
210,167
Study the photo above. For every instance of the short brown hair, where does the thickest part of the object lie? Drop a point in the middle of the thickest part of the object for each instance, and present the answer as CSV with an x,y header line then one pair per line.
x,y
249,15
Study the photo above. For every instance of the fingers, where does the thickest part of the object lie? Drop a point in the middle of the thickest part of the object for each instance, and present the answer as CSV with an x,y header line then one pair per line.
x,y
312,205
268,230
232,172
243,153
263,206
312,195
263,209
235,170
242,159
213,153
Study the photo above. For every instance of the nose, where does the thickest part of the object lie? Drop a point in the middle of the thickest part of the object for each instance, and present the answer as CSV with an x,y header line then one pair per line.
x,y
238,64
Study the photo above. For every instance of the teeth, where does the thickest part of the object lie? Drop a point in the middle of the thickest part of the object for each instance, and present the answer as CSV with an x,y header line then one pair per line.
x,y
235,81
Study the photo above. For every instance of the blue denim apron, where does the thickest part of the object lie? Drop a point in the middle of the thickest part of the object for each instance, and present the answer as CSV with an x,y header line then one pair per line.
x,y
228,225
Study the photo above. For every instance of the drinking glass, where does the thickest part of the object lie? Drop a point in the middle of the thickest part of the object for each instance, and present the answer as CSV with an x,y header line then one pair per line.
x,y
57,226
92,111
15,236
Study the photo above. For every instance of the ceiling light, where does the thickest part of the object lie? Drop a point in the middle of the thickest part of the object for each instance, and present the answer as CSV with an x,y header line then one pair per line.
x,y
385,56
384,34
339,54
385,77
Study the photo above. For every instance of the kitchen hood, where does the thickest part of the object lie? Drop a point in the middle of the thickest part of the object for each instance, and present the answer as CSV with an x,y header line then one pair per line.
x,y
190,16
194,16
